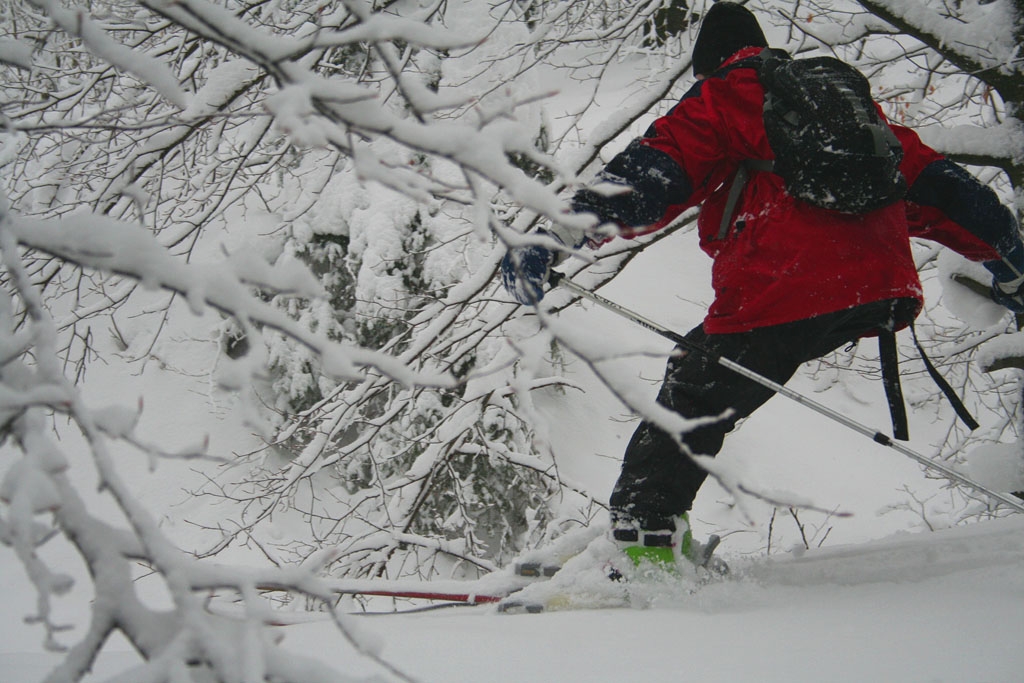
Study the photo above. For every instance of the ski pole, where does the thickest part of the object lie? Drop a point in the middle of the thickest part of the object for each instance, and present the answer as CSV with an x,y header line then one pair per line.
x,y
559,279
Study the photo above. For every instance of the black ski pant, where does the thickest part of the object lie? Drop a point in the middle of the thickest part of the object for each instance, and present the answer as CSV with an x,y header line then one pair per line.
x,y
658,480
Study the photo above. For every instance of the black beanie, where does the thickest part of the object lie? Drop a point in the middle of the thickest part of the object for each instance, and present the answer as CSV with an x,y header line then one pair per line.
x,y
726,28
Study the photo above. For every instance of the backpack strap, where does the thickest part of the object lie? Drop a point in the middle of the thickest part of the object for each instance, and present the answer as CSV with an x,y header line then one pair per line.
x,y
889,360
739,181
954,400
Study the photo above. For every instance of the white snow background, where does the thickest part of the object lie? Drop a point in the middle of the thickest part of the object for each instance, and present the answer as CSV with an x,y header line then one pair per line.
x,y
896,591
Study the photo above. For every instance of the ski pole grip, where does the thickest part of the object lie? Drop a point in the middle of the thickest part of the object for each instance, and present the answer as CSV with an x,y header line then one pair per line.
x,y
555,277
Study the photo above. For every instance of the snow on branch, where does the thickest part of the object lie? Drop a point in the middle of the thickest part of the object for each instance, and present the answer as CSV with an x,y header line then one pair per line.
x,y
77,23
982,37
345,109
117,247
376,27
998,145
15,53
200,632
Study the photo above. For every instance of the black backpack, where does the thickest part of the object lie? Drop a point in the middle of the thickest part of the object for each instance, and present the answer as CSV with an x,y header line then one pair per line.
x,y
832,148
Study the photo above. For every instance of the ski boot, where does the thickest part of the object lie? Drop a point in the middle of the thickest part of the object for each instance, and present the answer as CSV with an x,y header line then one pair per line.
x,y
667,546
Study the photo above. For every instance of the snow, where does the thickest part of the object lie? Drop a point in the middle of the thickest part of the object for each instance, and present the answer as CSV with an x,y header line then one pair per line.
x,y
898,590
149,70
978,311
16,53
877,616
1003,140
929,607
997,466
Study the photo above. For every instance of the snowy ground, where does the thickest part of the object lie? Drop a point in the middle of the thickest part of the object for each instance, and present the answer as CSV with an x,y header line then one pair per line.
x,y
942,607
926,607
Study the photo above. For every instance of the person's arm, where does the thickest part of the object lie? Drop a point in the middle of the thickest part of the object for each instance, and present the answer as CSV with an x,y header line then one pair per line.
x,y
636,192
950,198
667,170
948,205
636,188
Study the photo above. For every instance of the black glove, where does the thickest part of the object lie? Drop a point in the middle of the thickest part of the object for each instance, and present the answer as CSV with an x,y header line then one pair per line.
x,y
1009,294
525,270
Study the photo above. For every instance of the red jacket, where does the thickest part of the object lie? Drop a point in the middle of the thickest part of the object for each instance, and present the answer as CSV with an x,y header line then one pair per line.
x,y
789,260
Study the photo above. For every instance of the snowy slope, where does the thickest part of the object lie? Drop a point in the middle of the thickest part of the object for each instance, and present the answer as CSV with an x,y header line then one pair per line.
x,y
925,607
930,607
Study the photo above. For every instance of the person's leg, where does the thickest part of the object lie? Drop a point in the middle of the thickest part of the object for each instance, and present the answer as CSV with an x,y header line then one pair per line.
x,y
659,482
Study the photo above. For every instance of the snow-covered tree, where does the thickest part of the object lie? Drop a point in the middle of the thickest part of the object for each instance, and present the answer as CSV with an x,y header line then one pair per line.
x,y
416,279
131,132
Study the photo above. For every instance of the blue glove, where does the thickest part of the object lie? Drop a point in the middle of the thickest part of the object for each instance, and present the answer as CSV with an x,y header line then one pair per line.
x,y
1009,294
525,271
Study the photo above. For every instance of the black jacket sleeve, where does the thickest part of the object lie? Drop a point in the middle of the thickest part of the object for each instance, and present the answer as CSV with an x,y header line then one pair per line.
x,y
651,182
964,200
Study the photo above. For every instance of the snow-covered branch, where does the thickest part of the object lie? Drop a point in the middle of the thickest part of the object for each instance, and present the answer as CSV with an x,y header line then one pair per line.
x,y
981,39
109,245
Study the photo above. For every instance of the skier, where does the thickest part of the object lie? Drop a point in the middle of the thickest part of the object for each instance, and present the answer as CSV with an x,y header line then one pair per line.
x,y
792,281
